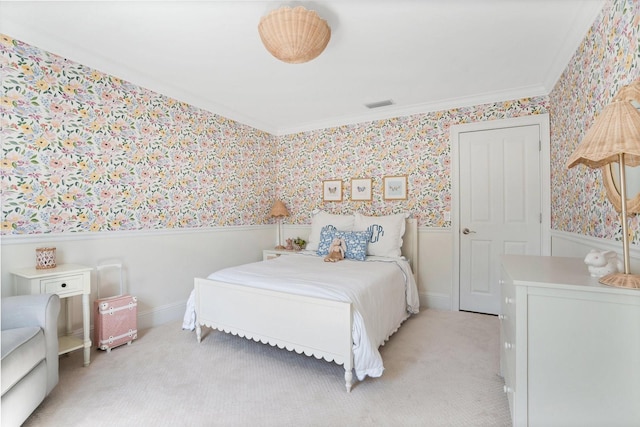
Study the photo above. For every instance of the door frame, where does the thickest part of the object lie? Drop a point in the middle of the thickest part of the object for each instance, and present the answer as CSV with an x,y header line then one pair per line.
x,y
541,120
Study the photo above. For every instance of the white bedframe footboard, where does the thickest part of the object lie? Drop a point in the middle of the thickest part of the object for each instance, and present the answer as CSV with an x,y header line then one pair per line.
x,y
313,326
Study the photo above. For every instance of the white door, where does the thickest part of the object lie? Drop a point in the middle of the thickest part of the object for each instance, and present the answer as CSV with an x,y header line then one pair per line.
x,y
500,208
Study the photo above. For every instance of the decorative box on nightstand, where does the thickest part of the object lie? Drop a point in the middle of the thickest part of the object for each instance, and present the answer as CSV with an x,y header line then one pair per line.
x,y
66,280
268,254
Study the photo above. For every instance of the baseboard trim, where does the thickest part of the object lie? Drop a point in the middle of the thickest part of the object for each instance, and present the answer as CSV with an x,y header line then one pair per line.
x,y
435,301
161,315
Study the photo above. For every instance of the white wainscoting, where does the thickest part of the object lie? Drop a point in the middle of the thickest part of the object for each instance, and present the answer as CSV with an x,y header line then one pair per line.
x,y
578,246
159,266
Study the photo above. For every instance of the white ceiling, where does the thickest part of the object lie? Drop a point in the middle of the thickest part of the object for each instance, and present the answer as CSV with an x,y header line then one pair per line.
x,y
424,55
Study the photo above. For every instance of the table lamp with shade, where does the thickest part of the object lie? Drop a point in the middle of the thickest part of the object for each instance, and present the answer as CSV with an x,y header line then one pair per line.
x,y
279,211
614,137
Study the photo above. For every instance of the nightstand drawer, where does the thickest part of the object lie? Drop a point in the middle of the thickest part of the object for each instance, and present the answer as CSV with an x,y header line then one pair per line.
x,y
268,254
62,285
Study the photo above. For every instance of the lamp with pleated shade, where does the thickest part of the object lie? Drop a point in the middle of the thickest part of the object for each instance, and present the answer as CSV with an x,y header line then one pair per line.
x,y
615,137
279,211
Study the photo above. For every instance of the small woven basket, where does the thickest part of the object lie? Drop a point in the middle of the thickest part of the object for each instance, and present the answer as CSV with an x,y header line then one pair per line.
x,y
45,258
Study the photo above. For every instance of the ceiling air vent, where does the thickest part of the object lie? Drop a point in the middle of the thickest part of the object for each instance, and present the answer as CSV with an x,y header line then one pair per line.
x,y
379,104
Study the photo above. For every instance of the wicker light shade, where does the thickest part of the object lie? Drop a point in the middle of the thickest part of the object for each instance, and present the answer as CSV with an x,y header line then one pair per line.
x,y
279,210
615,131
294,35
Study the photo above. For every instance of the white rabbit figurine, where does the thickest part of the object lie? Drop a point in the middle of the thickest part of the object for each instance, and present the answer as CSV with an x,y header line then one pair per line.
x,y
602,263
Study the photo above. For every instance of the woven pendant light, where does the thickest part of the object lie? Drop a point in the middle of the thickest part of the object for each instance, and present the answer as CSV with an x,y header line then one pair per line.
x,y
294,35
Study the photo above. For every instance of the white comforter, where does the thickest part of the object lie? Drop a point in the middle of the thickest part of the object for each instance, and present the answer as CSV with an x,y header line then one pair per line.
x,y
382,291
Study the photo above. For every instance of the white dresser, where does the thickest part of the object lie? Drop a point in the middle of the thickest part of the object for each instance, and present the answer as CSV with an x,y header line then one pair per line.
x,y
570,347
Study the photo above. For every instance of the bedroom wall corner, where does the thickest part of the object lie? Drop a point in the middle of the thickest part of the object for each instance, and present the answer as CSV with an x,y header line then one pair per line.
x,y
606,60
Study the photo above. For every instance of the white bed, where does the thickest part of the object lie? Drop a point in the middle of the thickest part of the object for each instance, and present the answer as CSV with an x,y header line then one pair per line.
x,y
341,312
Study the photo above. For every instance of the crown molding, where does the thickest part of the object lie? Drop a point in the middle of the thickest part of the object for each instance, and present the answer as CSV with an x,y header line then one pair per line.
x,y
574,32
401,111
79,54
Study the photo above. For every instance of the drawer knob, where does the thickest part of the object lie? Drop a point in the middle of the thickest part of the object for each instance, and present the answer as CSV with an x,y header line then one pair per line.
x,y
508,346
506,389
64,285
508,300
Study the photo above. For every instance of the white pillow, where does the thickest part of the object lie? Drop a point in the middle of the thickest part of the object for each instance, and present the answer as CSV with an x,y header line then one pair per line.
x,y
386,233
322,218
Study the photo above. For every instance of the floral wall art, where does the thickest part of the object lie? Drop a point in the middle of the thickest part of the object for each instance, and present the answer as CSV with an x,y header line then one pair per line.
x,y
607,59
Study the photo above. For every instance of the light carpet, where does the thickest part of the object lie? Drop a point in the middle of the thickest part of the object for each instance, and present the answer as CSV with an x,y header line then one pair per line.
x,y
441,369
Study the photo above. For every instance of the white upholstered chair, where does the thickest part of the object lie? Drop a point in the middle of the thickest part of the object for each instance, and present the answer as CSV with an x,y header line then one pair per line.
x,y
29,354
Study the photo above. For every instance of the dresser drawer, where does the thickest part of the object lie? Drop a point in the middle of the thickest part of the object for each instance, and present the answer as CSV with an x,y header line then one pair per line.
x,y
508,310
62,285
508,340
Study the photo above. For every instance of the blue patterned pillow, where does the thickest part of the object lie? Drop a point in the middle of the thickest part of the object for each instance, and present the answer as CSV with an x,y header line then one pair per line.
x,y
326,237
356,242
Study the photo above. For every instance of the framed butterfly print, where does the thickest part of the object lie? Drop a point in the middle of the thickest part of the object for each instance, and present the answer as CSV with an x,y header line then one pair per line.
x,y
332,190
361,189
395,187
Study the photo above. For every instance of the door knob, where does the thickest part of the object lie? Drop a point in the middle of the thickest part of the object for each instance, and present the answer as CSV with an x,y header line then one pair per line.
x,y
467,231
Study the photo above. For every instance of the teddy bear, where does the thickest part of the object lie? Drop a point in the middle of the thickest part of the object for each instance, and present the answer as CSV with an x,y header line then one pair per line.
x,y
602,263
289,246
336,250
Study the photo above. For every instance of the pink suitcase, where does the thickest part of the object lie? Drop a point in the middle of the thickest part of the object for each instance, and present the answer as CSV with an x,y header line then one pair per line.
x,y
115,320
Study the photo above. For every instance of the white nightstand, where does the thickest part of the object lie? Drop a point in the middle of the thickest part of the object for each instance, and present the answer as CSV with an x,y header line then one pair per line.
x,y
66,280
268,254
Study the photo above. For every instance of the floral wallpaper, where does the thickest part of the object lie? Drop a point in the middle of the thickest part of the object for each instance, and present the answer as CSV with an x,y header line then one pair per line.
x,y
416,146
84,151
607,59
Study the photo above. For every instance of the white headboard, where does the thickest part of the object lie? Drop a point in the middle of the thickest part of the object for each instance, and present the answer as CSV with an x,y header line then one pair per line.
x,y
410,244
